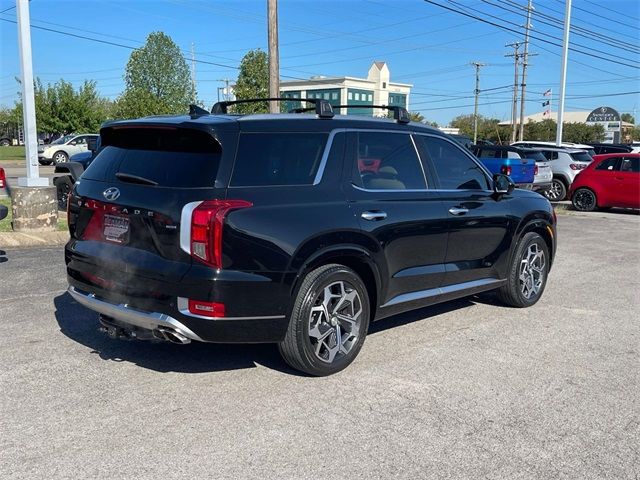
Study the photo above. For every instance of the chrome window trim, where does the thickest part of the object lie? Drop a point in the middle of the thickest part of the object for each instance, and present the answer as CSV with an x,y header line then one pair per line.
x,y
447,289
183,308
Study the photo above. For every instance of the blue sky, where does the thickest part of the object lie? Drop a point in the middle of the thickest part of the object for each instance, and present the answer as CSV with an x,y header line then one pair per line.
x,y
422,43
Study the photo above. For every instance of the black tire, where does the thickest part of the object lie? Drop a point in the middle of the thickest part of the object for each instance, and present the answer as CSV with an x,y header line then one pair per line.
x,y
584,200
45,162
63,188
512,293
299,348
60,157
5,142
558,190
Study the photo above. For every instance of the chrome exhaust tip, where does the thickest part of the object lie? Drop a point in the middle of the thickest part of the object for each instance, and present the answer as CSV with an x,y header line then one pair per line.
x,y
172,336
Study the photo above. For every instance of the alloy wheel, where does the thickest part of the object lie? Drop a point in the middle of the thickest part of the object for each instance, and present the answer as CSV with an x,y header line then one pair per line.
x,y
584,200
334,321
532,271
555,191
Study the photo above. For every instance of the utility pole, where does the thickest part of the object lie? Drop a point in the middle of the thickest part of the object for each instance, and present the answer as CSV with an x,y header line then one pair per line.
x,y
274,57
193,70
525,64
476,92
514,108
563,73
28,99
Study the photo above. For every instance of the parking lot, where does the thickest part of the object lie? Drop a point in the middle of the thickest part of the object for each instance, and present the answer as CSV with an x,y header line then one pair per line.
x,y
468,389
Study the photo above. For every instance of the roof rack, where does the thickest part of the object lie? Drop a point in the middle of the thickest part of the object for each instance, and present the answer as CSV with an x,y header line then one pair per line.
x,y
321,107
400,114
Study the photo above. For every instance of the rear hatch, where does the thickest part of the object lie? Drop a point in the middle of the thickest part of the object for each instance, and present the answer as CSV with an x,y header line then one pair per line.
x,y
125,213
542,167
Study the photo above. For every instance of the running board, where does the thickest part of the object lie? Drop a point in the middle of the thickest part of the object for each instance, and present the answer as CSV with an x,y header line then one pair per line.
x,y
466,288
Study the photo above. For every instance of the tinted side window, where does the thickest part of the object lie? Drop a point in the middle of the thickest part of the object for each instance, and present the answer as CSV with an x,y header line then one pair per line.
x,y
454,169
485,153
608,164
630,165
387,161
278,158
549,155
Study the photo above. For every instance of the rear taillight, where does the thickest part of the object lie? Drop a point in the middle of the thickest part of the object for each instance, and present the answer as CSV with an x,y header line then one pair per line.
x,y
505,170
535,170
207,221
3,178
577,166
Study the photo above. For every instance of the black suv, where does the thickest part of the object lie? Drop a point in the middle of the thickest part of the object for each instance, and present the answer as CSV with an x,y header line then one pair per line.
x,y
297,229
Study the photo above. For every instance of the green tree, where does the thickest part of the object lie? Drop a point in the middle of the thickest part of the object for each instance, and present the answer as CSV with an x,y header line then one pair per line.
x,y
157,80
416,117
627,117
253,82
487,127
62,109
571,132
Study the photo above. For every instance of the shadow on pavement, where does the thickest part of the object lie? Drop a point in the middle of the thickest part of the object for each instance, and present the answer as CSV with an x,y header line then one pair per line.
x,y
81,325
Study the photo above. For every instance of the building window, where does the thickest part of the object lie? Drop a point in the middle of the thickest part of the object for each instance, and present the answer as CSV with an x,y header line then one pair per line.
x,y
334,96
350,96
384,84
370,98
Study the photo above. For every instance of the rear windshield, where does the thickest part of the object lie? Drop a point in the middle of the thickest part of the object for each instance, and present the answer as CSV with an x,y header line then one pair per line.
x,y
172,157
581,157
537,156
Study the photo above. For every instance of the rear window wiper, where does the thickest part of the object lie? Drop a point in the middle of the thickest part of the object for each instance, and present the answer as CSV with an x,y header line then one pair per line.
x,y
127,177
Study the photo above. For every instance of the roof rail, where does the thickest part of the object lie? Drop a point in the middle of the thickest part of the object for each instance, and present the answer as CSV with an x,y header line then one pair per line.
x,y
400,114
321,107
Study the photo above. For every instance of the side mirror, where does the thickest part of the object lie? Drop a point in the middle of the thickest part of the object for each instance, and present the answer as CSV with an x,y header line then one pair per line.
x,y
502,184
92,144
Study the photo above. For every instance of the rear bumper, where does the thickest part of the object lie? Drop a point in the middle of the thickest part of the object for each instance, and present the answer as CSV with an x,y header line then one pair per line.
x,y
543,186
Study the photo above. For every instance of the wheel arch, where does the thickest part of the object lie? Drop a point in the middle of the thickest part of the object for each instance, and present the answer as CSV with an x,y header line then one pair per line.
x,y
354,257
542,225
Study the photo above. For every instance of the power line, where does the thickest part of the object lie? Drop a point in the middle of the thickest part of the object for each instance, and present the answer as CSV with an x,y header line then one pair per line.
x,y
617,22
624,14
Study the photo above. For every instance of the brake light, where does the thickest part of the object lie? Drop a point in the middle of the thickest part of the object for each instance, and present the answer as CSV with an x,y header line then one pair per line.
x,y
535,170
574,166
207,309
505,170
3,178
207,221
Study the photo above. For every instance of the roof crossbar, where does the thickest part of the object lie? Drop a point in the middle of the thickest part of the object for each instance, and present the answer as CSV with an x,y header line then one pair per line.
x,y
321,107
400,114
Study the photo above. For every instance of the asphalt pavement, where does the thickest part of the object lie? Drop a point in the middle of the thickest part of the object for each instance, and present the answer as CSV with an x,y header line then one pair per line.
x,y
467,389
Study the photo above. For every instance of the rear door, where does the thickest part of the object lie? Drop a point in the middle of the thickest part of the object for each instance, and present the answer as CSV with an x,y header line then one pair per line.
x,y
388,193
478,222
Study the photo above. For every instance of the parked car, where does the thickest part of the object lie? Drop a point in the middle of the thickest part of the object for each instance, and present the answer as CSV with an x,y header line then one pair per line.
x,y
536,144
60,150
70,171
635,147
565,164
294,229
462,140
602,148
4,211
510,161
611,180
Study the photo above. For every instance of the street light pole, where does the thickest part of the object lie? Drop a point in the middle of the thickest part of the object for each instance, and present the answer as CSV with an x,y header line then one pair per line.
x,y
563,74
28,100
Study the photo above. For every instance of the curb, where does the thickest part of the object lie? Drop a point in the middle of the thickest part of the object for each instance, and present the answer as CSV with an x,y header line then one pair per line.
x,y
33,239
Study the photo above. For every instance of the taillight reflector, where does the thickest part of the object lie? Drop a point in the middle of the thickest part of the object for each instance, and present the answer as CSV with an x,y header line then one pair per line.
x,y
505,170
207,221
535,170
207,309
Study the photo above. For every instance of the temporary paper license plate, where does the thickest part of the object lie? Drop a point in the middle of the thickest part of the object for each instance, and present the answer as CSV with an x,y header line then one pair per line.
x,y
116,229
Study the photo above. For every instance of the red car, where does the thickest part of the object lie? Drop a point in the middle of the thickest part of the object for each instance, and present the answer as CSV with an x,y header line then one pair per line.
x,y
611,180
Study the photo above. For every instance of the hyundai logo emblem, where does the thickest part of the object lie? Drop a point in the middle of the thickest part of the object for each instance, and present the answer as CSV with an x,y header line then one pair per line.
x,y
111,193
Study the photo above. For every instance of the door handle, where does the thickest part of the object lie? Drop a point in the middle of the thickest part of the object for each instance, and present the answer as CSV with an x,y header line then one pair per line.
x,y
374,215
458,210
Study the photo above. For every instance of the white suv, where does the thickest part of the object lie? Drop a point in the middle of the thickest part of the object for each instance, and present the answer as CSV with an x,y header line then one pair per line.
x,y
566,163
60,150
536,144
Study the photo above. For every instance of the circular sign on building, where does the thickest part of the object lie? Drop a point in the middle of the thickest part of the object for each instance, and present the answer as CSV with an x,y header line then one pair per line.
x,y
609,118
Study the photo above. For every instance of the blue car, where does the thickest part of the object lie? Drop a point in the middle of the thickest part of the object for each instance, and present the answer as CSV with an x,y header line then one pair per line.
x,y
510,161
